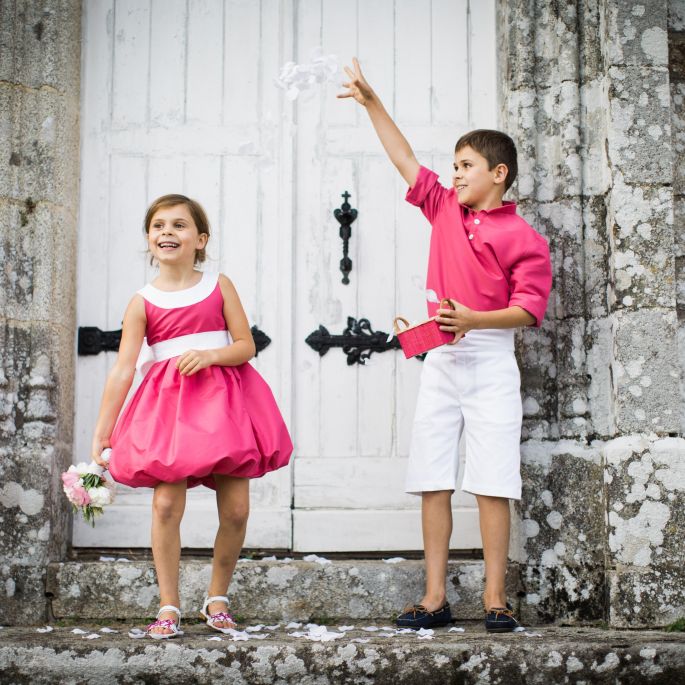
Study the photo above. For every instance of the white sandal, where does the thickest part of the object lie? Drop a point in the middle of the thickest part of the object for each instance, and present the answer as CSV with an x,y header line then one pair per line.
x,y
174,626
211,619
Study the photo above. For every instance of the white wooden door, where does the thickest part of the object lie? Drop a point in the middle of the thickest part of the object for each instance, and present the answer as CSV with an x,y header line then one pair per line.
x,y
179,97
433,64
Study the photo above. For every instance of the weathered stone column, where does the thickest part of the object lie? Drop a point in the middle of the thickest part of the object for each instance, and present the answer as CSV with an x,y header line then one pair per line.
x,y
39,170
585,92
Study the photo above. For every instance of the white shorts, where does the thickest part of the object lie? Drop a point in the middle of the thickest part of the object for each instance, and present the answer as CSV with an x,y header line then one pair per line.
x,y
471,387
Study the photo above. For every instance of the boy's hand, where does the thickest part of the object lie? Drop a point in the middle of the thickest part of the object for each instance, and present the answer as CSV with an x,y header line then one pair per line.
x,y
459,320
357,86
192,361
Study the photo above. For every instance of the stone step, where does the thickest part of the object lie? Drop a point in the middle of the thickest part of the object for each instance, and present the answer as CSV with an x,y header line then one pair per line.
x,y
264,590
547,656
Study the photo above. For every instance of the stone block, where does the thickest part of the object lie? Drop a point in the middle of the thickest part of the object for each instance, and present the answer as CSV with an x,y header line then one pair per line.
x,y
41,145
562,223
536,353
676,15
22,594
546,656
561,532
600,392
679,227
266,590
646,597
596,257
645,485
641,220
594,97
38,246
639,128
41,43
678,136
645,372
636,32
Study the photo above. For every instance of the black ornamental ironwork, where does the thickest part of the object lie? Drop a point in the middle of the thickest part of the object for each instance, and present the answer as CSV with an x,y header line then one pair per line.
x,y
358,341
346,216
91,340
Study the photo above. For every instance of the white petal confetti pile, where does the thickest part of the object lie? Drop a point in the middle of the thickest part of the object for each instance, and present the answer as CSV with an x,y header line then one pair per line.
x,y
393,560
317,633
425,634
295,78
455,630
78,631
92,636
47,629
316,559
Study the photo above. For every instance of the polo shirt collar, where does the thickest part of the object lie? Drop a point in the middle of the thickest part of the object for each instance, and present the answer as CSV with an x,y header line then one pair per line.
x,y
508,207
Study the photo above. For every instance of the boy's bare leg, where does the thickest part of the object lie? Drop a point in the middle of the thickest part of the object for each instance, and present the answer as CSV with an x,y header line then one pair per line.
x,y
233,503
494,529
168,505
436,521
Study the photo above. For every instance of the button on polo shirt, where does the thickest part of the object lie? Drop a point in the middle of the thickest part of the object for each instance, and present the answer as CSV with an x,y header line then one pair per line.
x,y
486,260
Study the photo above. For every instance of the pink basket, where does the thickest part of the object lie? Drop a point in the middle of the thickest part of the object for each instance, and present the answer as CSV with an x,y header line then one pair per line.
x,y
421,337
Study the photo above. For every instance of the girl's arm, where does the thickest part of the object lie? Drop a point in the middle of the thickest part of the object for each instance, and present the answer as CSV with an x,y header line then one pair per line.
x,y
241,350
120,376
395,144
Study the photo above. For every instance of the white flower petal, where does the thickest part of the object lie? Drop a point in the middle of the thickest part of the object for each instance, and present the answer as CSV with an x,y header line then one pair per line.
x,y
455,630
92,636
78,631
47,629
108,630
394,560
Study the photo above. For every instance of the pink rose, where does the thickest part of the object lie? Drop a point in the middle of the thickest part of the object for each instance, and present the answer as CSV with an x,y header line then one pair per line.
x,y
79,496
69,479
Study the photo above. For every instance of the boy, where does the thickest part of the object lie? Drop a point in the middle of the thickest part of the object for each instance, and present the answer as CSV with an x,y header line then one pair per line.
x,y
496,271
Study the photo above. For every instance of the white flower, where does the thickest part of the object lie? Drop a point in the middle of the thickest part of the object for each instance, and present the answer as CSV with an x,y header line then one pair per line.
x,y
95,468
81,468
100,497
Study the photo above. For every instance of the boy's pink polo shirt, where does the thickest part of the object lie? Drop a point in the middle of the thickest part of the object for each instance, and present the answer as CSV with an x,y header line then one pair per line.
x,y
487,260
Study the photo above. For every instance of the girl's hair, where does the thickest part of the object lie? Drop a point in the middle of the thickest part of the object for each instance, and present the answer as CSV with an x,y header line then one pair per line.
x,y
196,212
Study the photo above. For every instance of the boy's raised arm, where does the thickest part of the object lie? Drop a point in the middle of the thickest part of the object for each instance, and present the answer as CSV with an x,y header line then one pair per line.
x,y
395,144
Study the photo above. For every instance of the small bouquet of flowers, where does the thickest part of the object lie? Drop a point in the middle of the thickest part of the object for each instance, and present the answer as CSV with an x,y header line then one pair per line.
x,y
87,489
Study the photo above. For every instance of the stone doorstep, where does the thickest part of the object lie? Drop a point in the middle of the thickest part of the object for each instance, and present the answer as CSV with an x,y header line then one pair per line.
x,y
264,591
559,655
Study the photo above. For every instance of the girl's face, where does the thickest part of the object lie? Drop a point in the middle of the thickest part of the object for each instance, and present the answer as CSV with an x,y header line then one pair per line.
x,y
173,236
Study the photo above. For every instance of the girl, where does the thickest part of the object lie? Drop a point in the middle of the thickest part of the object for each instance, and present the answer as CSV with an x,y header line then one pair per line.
x,y
201,416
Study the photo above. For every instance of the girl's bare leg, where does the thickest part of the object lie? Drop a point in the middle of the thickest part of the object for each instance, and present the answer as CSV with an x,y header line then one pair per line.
x,y
494,529
436,521
233,502
168,505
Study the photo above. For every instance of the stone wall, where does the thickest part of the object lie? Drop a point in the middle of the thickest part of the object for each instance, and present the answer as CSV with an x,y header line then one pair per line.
x,y
39,146
586,92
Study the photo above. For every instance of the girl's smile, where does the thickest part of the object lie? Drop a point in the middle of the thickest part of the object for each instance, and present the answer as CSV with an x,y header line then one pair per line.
x,y
173,235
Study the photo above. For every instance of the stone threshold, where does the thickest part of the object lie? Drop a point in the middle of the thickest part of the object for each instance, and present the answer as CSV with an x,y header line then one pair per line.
x,y
264,591
544,655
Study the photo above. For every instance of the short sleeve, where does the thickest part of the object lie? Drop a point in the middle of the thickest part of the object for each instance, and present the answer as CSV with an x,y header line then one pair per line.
x,y
530,281
427,193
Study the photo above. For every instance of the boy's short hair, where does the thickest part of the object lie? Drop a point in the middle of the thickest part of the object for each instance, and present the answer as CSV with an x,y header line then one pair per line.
x,y
496,147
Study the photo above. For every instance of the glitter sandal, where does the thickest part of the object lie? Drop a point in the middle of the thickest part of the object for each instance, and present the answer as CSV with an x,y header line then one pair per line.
x,y
211,619
174,626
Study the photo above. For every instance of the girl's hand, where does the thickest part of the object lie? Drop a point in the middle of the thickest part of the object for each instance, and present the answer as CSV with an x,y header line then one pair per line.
x,y
99,444
459,320
357,86
192,361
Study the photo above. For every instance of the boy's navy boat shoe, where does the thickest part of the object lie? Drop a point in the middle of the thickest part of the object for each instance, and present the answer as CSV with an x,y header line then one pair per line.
x,y
500,620
418,616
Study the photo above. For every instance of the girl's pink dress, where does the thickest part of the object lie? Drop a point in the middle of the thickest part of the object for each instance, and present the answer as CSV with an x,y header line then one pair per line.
x,y
223,420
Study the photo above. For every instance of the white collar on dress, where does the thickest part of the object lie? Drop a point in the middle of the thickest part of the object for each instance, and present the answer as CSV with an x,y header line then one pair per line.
x,y
165,299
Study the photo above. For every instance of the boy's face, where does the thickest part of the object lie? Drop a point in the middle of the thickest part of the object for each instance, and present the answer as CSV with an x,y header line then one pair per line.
x,y
474,181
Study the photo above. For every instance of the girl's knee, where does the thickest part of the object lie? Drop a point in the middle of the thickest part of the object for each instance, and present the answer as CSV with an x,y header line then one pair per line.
x,y
234,515
168,509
